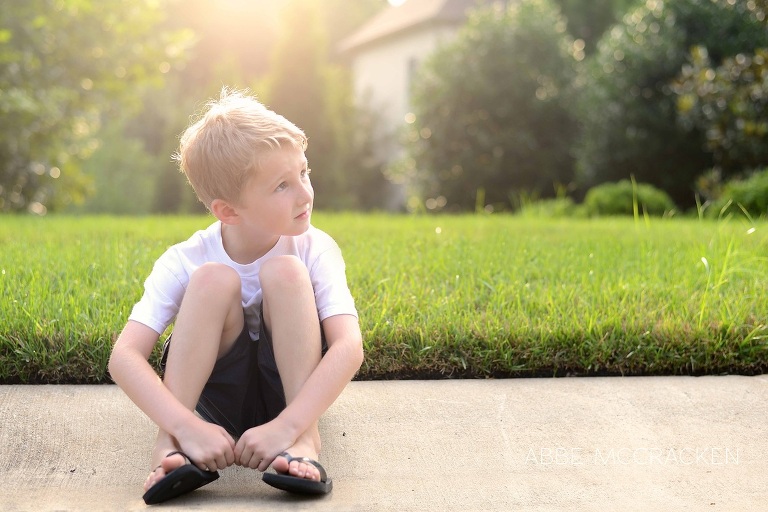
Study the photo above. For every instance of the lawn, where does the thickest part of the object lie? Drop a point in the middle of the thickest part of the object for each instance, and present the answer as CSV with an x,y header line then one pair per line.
x,y
438,296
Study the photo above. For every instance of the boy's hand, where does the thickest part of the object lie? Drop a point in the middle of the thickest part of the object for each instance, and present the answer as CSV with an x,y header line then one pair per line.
x,y
209,446
258,446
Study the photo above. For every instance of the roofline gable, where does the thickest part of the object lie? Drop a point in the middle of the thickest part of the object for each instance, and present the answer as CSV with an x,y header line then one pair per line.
x,y
412,14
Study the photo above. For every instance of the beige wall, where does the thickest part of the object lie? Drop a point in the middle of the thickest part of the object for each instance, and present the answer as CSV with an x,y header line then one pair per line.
x,y
382,74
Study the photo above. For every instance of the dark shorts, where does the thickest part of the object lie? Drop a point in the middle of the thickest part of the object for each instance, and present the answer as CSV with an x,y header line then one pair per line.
x,y
244,389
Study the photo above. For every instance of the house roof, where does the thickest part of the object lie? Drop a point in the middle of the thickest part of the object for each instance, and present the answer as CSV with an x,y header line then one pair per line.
x,y
411,14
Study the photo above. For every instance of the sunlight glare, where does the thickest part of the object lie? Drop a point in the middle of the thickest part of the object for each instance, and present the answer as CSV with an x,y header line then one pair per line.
x,y
396,3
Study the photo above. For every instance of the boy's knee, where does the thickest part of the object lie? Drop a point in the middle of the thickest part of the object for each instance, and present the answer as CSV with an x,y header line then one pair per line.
x,y
215,277
283,271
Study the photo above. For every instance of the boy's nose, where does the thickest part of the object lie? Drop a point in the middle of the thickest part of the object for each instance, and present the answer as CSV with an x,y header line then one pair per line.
x,y
308,193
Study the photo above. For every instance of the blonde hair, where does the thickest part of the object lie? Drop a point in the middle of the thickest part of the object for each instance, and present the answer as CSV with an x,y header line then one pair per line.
x,y
222,149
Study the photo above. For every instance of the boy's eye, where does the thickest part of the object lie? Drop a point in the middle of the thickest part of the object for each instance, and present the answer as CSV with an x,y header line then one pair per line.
x,y
306,172
281,186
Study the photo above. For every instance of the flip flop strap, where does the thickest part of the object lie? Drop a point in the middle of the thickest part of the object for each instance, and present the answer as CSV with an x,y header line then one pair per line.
x,y
189,461
186,457
290,458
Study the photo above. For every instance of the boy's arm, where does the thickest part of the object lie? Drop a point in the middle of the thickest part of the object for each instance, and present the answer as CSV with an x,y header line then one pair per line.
x,y
129,367
337,367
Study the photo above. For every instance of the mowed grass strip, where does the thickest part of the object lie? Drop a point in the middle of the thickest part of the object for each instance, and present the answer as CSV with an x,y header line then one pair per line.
x,y
438,296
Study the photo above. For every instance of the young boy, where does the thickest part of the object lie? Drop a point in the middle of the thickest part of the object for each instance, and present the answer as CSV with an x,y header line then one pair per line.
x,y
266,334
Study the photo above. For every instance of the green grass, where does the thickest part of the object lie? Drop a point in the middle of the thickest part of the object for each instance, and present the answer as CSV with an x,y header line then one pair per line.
x,y
438,296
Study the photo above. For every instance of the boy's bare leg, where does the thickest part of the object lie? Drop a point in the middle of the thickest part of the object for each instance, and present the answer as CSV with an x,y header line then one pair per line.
x,y
290,313
205,330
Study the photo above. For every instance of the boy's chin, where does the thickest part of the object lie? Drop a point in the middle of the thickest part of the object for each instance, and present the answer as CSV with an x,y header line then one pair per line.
x,y
300,229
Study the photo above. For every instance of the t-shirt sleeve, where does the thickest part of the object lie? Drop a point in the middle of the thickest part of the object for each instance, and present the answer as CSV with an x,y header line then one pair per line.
x,y
163,291
328,274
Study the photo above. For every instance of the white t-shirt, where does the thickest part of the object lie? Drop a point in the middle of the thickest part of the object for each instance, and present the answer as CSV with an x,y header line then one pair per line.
x,y
166,284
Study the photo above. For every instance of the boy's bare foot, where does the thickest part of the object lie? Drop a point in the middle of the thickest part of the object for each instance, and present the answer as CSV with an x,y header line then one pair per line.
x,y
161,463
297,468
167,464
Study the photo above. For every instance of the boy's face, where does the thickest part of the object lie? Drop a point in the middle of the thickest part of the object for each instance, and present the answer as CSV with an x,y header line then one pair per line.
x,y
278,199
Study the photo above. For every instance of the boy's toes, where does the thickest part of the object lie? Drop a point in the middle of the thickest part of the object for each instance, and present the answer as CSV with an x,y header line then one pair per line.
x,y
300,475
296,468
171,462
168,464
155,476
304,470
281,464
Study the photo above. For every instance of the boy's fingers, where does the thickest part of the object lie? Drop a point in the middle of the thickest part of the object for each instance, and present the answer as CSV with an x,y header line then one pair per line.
x,y
244,457
239,451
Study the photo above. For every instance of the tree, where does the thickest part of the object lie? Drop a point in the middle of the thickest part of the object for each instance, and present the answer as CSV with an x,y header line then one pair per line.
x,y
729,103
298,88
490,116
225,36
64,67
121,175
588,20
359,172
627,104
361,160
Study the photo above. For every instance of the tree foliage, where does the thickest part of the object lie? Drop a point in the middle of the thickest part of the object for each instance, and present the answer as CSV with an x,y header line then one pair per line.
x,y
301,87
588,20
729,103
64,66
234,43
362,165
627,102
490,116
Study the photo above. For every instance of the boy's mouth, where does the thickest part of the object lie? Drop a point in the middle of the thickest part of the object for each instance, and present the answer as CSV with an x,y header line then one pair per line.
x,y
303,214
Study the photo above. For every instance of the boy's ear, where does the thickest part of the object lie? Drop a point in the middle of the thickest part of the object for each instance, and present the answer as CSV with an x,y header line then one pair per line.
x,y
225,212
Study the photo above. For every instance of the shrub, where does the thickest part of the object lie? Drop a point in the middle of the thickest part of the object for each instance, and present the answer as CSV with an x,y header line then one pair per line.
x,y
550,208
626,198
748,195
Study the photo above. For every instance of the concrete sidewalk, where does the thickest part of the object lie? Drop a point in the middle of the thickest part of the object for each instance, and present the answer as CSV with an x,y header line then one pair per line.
x,y
659,443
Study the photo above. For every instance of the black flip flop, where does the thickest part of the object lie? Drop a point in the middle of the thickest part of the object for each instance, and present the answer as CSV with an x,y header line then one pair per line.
x,y
180,481
298,485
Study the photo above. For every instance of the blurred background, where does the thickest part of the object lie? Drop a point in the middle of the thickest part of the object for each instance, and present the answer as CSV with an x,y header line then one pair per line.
x,y
415,105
